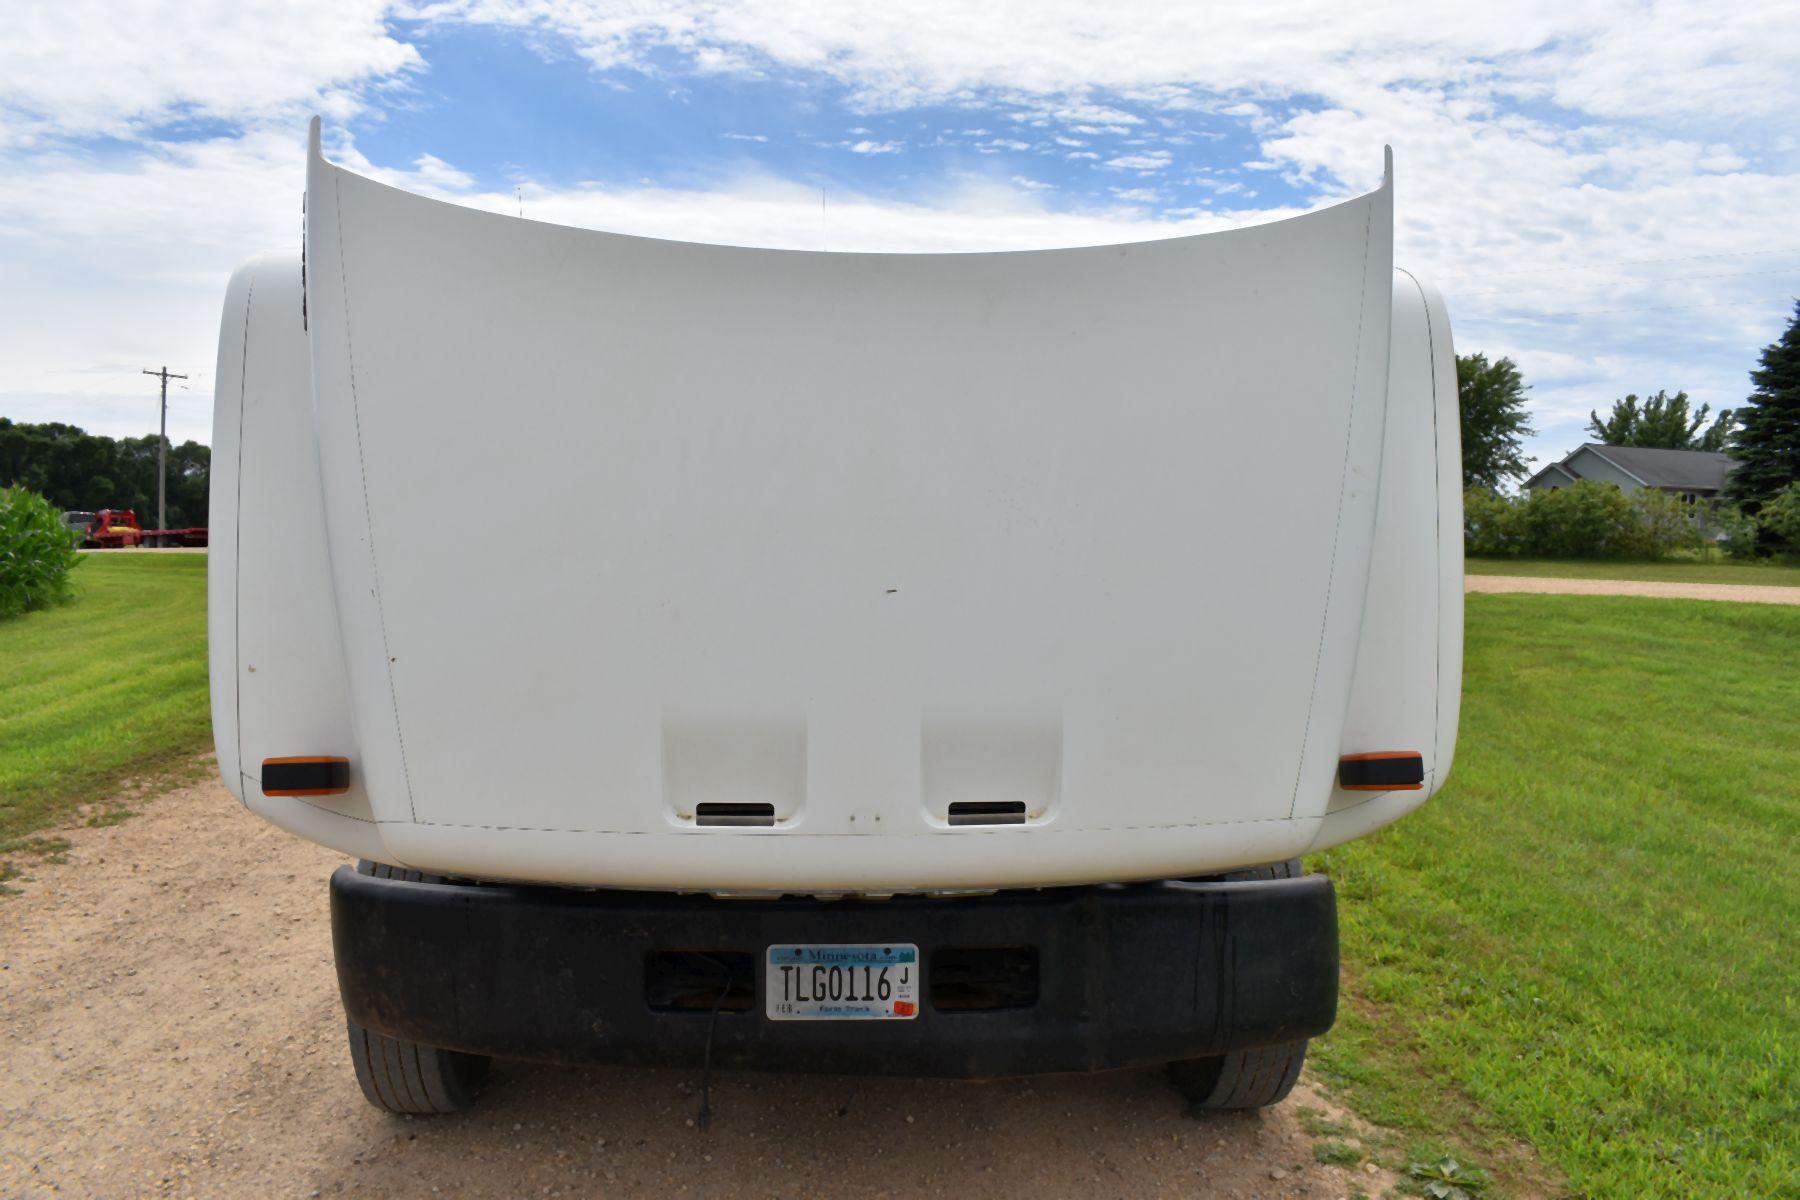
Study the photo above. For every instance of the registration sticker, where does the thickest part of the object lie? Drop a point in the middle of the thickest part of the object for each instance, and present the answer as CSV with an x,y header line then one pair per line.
x,y
851,983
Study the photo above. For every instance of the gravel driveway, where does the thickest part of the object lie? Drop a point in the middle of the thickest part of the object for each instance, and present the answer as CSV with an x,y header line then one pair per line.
x,y
1742,592
170,1026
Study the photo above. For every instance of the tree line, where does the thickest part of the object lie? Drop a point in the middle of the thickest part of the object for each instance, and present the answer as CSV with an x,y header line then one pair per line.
x,y
74,469
1763,489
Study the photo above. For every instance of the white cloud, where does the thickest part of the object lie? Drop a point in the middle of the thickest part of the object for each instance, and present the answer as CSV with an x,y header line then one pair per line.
x,y
432,173
1154,160
98,288
868,147
1138,195
98,67
1605,57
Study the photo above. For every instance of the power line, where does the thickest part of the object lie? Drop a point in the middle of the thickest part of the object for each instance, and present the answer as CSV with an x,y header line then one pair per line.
x,y
1618,262
162,443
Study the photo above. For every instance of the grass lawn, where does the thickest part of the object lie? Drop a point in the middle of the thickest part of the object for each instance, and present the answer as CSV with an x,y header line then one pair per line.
x,y
1587,942
1785,572
108,688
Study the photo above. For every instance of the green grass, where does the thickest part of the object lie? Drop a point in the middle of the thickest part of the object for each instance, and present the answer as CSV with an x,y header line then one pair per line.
x,y
1587,942
1781,573
109,688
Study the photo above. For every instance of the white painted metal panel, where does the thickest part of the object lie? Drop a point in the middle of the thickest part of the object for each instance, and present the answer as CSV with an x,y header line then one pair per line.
x,y
616,522
1408,688
278,680
222,510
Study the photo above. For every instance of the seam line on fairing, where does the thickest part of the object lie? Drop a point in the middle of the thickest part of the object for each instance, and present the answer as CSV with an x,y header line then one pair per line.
x,y
1425,785
362,466
330,812
1337,529
1437,528
237,547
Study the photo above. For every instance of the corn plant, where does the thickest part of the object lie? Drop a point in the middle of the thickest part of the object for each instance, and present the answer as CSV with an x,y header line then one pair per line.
x,y
37,552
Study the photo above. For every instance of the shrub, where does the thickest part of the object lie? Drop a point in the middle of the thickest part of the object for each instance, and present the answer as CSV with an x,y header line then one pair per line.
x,y
1662,523
1780,515
1490,523
1587,519
37,552
1734,529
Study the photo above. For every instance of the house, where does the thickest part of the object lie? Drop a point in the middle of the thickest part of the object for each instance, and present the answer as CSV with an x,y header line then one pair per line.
x,y
1690,474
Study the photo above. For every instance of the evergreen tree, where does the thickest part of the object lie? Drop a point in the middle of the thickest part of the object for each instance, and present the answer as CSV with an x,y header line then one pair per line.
x,y
1768,444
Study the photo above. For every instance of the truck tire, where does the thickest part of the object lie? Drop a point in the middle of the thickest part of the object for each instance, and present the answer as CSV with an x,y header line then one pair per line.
x,y
1255,1078
1242,1079
404,1077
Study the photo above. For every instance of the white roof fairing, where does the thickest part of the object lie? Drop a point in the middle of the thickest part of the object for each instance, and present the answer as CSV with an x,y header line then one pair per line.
x,y
617,523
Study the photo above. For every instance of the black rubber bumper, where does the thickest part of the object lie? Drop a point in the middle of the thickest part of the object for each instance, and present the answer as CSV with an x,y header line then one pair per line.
x,y
1018,983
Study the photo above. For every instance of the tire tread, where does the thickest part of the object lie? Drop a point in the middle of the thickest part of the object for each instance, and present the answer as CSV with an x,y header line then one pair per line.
x,y
1255,1078
400,1076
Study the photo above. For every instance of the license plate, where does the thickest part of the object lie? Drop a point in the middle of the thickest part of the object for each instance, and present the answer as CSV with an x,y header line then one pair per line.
x,y
843,983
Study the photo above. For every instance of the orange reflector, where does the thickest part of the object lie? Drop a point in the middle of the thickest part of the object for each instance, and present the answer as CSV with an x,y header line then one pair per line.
x,y
307,775
1382,771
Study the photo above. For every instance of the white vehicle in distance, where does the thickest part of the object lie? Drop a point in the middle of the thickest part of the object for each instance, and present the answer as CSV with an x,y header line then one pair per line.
x,y
952,659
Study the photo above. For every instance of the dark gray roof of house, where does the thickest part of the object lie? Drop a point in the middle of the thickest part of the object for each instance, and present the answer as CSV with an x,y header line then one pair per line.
x,y
1698,470
1549,467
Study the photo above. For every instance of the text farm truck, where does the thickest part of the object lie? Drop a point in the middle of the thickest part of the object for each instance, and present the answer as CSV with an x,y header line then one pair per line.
x,y
955,658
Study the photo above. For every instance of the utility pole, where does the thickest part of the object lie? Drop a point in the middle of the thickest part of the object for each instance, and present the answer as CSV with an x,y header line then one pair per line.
x,y
162,445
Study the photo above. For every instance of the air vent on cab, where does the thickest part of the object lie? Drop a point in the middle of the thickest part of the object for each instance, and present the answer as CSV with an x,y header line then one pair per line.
x,y
987,812
726,812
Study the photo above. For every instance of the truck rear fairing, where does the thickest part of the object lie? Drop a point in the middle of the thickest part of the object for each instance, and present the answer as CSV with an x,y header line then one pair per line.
x,y
1035,602
1136,542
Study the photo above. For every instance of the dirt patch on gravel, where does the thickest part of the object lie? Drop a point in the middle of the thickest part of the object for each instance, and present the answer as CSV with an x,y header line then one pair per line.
x,y
1746,593
171,1027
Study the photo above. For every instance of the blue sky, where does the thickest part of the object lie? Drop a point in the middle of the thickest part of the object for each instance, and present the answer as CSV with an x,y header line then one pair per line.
x,y
1605,191
516,110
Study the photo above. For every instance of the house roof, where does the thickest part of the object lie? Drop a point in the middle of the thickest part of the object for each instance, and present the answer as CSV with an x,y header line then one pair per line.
x,y
1558,468
1683,470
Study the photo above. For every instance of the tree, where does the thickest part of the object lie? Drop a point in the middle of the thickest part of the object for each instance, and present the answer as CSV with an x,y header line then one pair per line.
x,y
1781,515
1768,445
1587,519
1491,523
74,469
1494,422
1664,421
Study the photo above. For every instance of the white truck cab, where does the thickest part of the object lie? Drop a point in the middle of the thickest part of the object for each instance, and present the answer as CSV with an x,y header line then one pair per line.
x,y
954,655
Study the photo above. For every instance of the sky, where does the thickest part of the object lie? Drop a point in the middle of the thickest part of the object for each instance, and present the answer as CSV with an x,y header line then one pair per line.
x,y
1607,192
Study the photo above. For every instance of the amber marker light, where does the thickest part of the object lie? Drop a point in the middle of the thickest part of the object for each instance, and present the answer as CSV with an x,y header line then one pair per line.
x,y
306,775
1382,771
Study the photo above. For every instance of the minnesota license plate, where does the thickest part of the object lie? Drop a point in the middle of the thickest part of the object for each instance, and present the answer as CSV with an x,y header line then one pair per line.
x,y
845,983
